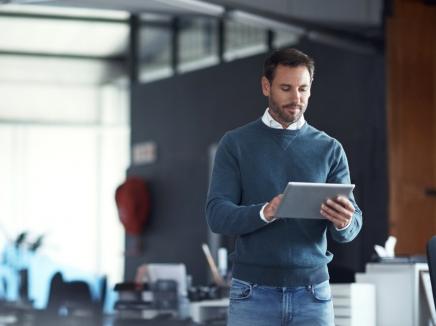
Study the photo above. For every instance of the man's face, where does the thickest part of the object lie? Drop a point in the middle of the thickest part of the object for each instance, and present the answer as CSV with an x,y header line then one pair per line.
x,y
288,93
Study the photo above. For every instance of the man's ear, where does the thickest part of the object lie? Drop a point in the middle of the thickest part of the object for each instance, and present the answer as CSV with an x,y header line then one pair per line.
x,y
266,87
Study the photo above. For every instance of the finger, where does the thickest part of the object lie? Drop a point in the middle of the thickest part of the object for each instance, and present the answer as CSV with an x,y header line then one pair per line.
x,y
338,207
338,223
277,199
274,204
334,214
273,208
332,218
346,202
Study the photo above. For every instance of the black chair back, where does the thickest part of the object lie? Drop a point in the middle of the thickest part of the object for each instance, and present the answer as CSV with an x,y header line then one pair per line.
x,y
431,257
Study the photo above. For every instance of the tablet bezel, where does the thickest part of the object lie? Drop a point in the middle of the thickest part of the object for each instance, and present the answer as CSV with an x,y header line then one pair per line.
x,y
304,199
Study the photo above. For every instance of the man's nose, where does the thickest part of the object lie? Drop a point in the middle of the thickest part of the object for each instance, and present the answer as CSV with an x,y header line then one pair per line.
x,y
295,96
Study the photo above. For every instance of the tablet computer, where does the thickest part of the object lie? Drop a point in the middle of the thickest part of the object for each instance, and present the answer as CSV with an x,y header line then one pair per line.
x,y
304,199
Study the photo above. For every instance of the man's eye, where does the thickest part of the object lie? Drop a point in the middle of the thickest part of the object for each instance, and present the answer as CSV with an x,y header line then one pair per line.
x,y
303,89
285,89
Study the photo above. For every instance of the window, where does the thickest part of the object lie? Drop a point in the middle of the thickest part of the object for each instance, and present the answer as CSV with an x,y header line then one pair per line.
x,y
64,149
155,52
198,43
244,40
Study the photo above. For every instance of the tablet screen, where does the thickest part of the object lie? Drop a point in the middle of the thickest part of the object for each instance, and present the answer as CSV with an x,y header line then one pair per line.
x,y
304,199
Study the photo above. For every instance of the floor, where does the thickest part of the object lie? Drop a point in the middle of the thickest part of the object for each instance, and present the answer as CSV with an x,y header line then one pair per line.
x,y
13,315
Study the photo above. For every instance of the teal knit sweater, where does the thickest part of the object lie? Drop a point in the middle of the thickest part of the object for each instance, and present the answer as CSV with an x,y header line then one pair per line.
x,y
252,165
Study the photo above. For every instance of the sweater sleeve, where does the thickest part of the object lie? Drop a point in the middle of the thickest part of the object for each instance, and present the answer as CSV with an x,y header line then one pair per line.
x,y
340,173
224,212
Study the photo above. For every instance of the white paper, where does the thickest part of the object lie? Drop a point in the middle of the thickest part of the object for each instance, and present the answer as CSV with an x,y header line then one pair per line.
x,y
388,251
176,272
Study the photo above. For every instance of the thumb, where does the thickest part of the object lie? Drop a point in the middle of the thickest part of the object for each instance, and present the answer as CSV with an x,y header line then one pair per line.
x,y
277,199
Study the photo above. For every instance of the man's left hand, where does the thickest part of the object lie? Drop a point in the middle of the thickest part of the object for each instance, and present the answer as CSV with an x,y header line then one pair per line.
x,y
338,210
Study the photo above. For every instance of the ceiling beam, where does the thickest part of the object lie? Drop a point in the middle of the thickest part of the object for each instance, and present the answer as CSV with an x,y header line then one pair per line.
x,y
62,56
314,31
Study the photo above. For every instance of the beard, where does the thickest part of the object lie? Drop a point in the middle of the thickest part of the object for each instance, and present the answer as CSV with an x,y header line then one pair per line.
x,y
286,114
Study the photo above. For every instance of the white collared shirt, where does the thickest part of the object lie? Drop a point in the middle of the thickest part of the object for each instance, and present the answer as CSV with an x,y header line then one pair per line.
x,y
269,121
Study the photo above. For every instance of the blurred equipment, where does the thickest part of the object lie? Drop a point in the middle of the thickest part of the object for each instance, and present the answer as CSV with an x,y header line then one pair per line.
x,y
176,272
158,300
134,301
160,291
209,311
222,262
212,265
165,298
134,205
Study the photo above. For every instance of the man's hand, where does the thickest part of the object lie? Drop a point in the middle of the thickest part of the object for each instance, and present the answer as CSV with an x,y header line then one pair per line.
x,y
338,210
270,210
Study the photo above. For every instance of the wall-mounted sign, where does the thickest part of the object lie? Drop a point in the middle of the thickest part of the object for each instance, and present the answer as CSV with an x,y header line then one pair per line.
x,y
144,153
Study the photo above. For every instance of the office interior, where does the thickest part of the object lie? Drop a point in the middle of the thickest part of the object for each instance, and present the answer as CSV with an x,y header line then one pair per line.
x,y
97,92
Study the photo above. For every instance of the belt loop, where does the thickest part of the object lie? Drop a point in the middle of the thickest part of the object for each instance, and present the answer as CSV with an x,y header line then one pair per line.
x,y
310,288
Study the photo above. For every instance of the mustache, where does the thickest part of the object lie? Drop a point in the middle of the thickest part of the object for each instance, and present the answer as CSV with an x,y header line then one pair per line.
x,y
291,105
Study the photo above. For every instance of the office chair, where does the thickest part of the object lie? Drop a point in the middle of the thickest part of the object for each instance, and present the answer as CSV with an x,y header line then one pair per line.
x,y
70,298
431,257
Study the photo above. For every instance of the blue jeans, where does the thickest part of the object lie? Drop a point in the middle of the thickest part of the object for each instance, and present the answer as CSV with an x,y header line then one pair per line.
x,y
256,305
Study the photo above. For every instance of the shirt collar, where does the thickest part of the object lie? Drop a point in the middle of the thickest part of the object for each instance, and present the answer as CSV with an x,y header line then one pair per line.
x,y
272,123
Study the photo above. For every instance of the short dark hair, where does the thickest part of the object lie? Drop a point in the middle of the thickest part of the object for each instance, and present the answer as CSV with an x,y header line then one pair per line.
x,y
287,57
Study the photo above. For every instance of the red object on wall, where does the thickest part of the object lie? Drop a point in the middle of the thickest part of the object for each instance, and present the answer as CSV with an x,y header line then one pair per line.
x,y
133,202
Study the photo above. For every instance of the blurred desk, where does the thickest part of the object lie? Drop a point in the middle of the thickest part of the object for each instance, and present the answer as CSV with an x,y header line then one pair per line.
x,y
399,298
210,311
354,304
19,317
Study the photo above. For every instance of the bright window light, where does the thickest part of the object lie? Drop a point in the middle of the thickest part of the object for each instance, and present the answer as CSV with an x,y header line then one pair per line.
x,y
63,155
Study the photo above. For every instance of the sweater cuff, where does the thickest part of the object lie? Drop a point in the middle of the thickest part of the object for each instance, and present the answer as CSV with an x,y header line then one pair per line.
x,y
345,227
262,216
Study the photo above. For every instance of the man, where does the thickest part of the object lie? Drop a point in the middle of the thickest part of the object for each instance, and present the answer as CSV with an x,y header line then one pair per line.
x,y
280,274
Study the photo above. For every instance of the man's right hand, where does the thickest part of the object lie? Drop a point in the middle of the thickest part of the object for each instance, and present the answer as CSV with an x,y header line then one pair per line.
x,y
271,208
